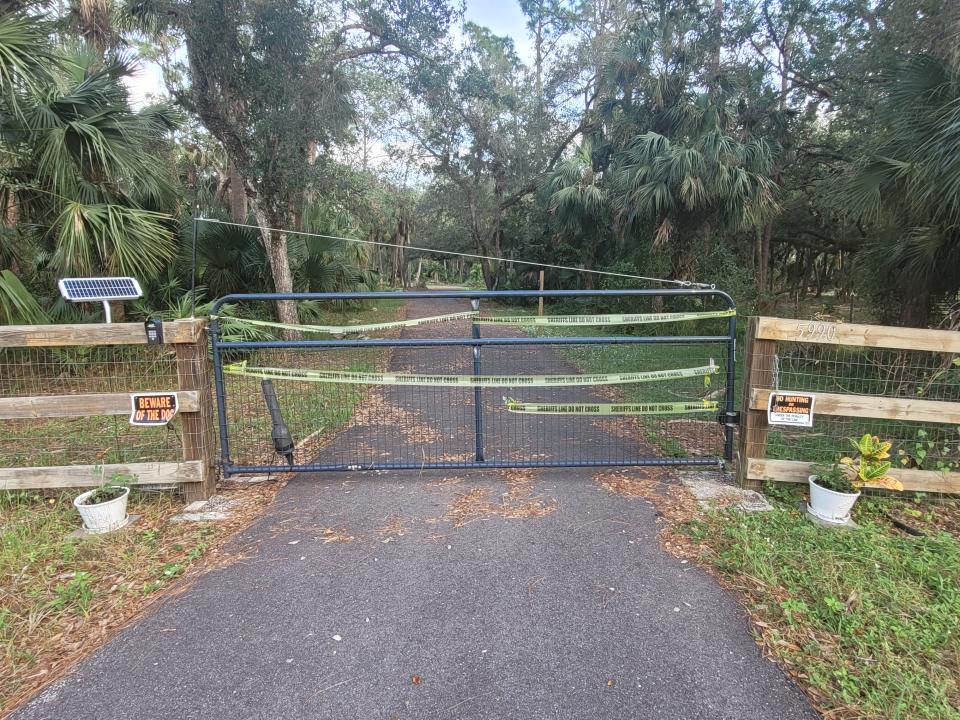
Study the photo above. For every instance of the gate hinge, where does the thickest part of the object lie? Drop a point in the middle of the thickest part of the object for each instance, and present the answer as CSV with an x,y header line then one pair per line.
x,y
729,419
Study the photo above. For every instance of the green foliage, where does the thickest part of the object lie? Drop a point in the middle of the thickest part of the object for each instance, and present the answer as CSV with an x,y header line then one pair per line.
x,y
866,616
27,62
745,149
834,477
83,170
110,489
75,593
475,277
932,451
870,463
909,186
60,593
17,305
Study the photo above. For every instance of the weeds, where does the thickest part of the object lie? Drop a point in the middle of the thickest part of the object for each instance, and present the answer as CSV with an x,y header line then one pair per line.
x,y
867,619
59,596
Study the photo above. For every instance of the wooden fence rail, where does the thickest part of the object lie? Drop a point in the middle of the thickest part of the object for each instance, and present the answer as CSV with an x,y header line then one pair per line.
x,y
763,336
196,470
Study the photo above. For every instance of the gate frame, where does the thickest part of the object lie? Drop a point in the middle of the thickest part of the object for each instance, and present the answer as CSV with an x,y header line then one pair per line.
x,y
728,417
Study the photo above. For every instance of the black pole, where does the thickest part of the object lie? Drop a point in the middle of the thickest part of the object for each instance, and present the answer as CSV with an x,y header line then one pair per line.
x,y
193,272
477,396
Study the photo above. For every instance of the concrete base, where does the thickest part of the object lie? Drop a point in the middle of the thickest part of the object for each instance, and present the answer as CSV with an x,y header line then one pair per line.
x,y
709,492
212,510
83,533
248,479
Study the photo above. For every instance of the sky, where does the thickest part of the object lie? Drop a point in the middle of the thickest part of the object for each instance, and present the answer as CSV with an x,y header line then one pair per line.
x,y
503,17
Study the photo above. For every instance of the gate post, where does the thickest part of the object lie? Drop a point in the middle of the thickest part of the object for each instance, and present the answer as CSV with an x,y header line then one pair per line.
x,y
477,398
758,372
198,436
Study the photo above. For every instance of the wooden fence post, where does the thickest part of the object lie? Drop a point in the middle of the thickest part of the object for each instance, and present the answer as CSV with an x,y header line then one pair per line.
x,y
758,373
540,304
198,438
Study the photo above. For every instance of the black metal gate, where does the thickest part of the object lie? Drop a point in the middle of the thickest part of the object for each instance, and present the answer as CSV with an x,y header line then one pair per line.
x,y
478,387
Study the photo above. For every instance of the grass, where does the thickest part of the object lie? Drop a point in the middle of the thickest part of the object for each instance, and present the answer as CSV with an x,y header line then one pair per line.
x,y
867,619
61,597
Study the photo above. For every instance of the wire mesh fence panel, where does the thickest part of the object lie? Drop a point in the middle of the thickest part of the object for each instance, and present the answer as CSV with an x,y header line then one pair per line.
x,y
523,406
32,371
921,439
27,373
67,396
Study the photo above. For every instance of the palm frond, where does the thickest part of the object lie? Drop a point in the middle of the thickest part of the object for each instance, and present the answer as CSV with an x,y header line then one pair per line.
x,y
17,305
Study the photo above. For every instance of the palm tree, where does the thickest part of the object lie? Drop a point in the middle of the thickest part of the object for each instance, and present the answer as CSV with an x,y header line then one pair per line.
x,y
27,61
84,172
910,188
578,202
684,189
17,304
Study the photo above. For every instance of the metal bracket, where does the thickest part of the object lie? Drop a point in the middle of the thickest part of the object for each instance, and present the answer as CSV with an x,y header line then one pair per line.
x,y
729,419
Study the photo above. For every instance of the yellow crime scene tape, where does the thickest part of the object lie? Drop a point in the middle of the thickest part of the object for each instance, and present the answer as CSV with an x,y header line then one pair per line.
x,y
366,378
615,319
674,408
474,316
346,329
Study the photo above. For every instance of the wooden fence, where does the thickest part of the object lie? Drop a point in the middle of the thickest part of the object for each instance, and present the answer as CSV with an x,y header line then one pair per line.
x,y
766,336
196,470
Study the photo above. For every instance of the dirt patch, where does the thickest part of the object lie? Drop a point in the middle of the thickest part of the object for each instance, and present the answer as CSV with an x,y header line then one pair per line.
x,y
675,505
335,535
463,457
393,527
698,437
445,482
626,428
517,502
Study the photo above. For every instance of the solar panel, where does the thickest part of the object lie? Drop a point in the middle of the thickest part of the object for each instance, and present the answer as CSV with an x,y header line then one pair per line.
x,y
97,289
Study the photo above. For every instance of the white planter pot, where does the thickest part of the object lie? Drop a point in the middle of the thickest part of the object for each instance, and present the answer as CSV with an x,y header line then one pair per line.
x,y
829,505
103,517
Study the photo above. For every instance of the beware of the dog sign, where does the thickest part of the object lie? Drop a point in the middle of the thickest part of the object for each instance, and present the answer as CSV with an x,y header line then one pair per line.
x,y
790,409
153,408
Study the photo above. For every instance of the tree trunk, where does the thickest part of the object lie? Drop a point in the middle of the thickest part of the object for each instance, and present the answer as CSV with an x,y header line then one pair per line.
x,y
488,267
765,256
275,243
915,307
238,196
762,260
590,260
716,30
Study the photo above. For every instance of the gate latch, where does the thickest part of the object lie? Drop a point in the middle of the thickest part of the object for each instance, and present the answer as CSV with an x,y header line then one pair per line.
x,y
729,419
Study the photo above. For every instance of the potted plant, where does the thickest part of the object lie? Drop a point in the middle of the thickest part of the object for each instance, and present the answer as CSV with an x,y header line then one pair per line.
x,y
835,488
105,507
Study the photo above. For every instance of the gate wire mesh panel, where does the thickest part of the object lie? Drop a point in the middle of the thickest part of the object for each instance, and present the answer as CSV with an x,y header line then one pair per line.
x,y
609,438
868,371
101,439
341,425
